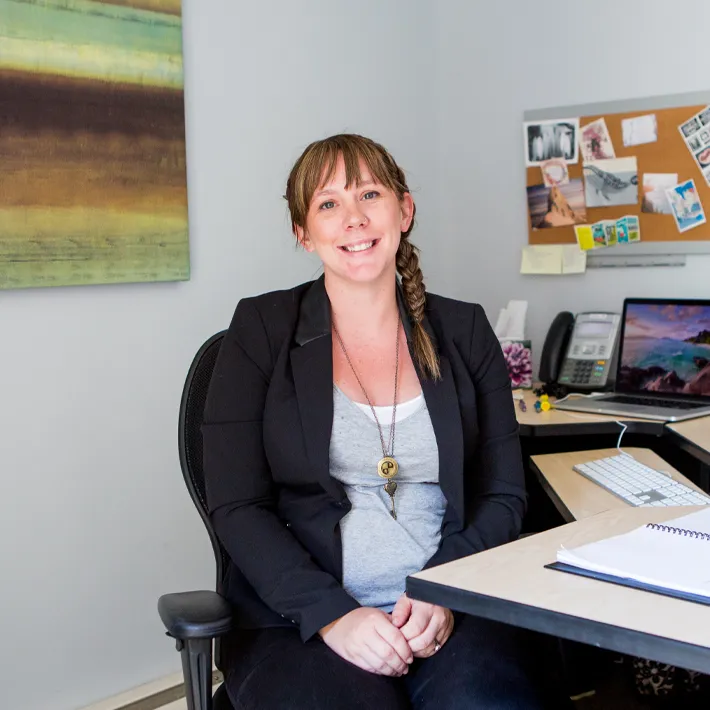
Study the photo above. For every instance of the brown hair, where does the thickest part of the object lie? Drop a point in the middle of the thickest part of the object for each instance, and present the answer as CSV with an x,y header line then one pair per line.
x,y
316,167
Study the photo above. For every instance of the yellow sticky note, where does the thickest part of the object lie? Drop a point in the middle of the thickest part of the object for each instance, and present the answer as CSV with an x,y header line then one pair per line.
x,y
542,259
583,232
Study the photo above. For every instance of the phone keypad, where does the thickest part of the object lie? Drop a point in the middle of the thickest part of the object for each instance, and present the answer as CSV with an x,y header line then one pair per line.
x,y
583,372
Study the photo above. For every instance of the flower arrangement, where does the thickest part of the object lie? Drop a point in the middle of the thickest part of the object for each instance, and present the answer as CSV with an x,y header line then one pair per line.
x,y
518,358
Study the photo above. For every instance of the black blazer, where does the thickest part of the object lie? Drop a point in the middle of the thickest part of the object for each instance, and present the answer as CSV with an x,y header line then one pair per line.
x,y
266,434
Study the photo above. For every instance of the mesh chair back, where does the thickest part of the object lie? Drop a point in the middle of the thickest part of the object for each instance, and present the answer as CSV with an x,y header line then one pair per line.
x,y
192,405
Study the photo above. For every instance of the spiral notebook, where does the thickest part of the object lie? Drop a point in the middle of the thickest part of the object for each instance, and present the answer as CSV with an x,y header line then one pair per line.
x,y
671,559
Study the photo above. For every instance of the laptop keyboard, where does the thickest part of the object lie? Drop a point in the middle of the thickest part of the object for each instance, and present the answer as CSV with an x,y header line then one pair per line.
x,y
664,403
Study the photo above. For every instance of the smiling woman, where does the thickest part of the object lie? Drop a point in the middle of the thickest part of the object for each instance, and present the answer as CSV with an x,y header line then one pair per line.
x,y
358,429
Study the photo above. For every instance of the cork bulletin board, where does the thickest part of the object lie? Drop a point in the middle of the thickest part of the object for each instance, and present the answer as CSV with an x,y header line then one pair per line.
x,y
668,154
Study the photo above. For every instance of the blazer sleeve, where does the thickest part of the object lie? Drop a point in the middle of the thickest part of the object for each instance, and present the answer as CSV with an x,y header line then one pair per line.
x,y
495,483
240,490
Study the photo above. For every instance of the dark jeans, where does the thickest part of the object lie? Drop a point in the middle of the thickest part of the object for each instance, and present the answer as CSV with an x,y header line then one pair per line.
x,y
484,665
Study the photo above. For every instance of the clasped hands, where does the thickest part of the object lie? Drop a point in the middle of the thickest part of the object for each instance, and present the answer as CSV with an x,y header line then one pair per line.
x,y
386,644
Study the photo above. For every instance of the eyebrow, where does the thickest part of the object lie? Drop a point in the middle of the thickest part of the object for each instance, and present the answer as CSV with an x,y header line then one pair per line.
x,y
364,183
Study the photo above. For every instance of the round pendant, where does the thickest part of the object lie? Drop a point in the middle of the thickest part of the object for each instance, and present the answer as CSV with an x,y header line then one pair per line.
x,y
387,467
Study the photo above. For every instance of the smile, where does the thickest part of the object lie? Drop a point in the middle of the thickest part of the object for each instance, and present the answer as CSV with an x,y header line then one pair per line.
x,y
362,246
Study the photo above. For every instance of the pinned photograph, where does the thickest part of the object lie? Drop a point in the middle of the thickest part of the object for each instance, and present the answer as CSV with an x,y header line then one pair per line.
x,y
704,116
634,228
628,229
703,158
609,183
554,172
595,142
639,130
685,203
655,200
705,137
689,127
694,142
556,138
610,229
599,234
622,231
558,206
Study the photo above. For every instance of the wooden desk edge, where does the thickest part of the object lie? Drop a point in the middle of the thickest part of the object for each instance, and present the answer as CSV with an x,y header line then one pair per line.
x,y
552,494
554,623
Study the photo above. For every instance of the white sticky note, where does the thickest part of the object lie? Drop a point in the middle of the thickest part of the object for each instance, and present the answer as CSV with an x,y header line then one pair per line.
x,y
639,130
574,259
542,259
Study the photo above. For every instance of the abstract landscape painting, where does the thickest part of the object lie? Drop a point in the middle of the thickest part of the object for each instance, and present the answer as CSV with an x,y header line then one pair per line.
x,y
92,141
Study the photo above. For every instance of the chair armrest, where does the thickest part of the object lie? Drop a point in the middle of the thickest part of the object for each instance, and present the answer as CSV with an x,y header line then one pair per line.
x,y
195,615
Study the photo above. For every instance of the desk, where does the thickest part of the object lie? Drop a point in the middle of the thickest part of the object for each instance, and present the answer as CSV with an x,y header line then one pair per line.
x,y
692,436
575,496
509,584
560,423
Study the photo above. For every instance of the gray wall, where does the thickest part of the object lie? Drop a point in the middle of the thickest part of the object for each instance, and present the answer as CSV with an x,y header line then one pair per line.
x,y
496,60
95,521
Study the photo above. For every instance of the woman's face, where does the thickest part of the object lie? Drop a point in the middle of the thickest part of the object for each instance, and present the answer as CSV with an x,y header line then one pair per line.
x,y
356,231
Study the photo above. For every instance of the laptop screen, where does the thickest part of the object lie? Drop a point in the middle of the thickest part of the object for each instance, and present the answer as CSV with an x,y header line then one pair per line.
x,y
665,348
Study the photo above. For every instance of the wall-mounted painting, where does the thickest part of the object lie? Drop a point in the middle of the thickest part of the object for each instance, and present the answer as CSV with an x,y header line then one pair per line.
x,y
92,143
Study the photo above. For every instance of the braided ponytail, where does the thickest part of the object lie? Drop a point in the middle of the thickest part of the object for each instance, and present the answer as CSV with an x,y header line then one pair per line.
x,y
415,297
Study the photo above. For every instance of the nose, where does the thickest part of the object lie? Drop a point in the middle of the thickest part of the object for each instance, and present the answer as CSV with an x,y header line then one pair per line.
x,y
355,217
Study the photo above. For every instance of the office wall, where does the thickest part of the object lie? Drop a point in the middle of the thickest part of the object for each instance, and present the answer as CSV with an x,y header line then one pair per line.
x,y
496,60
95,522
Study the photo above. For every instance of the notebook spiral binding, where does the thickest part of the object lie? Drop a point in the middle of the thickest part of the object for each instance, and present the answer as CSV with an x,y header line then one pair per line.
x,y
679,531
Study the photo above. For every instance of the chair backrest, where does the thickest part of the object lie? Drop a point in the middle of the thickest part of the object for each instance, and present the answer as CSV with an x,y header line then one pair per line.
x,y
192,405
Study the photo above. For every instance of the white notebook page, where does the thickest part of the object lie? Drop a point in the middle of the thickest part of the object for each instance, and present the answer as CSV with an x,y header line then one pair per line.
x,y
653,556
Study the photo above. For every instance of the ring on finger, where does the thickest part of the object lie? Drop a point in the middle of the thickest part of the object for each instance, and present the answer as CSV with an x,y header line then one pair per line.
x,y
437,646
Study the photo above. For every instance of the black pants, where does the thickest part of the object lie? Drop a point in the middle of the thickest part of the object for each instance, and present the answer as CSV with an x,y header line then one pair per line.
x,y
484,665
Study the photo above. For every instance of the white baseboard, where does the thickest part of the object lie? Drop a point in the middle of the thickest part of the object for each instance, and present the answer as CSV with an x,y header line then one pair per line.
x,y
150,696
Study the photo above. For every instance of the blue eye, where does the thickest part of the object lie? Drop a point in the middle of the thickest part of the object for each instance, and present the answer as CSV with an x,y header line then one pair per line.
x,y
370,195
327,205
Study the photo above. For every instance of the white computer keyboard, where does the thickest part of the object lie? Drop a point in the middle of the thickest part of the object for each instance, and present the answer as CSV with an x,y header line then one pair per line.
x,y
638,484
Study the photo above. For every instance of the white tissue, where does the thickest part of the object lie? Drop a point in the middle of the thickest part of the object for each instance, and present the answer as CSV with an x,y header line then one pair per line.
x,y
511,321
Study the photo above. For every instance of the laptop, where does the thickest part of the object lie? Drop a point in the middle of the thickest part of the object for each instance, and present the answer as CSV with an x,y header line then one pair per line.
x,y
663,369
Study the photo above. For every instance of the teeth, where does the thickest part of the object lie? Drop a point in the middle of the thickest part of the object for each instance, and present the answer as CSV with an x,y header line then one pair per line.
x,y
359,247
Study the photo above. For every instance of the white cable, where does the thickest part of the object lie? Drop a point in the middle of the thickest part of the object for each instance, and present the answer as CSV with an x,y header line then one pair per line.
x,y
577,394
575,415
624,427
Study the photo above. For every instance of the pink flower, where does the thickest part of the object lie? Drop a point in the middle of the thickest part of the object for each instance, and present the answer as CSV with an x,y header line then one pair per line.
x,y
518,359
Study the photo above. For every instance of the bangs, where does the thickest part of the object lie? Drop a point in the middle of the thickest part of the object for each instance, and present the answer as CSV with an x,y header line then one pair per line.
x,y
320,160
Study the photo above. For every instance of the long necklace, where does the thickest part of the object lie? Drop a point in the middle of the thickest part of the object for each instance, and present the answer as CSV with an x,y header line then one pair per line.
x,y
387,466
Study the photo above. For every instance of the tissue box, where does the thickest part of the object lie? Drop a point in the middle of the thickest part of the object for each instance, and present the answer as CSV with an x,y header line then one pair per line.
x,y
518,358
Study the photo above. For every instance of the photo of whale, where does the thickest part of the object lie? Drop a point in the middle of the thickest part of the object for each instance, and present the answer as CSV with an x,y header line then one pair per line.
x,y
610,183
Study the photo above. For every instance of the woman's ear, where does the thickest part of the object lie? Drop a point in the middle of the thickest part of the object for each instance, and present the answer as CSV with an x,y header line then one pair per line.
x,y
407,209
303,239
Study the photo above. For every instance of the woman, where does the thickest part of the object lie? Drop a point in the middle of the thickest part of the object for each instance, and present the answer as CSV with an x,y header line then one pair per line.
x,y
356,431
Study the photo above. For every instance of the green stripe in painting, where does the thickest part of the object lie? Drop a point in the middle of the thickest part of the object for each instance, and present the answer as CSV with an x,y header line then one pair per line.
x,y
84,22
93,62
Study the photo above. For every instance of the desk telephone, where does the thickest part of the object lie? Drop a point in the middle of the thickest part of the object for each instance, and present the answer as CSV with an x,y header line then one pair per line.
x,y
578,351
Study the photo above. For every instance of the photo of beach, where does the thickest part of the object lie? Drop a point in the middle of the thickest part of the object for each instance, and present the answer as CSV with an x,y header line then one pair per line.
x,y
666,349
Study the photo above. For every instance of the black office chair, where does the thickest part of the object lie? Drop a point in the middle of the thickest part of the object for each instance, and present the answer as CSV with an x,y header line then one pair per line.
x,y
196,619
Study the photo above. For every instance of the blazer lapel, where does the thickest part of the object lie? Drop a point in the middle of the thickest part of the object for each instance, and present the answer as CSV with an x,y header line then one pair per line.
x,y
312,366
443,405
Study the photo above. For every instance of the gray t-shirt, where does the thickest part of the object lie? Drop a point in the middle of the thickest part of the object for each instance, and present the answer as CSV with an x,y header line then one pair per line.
x,y
378,551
